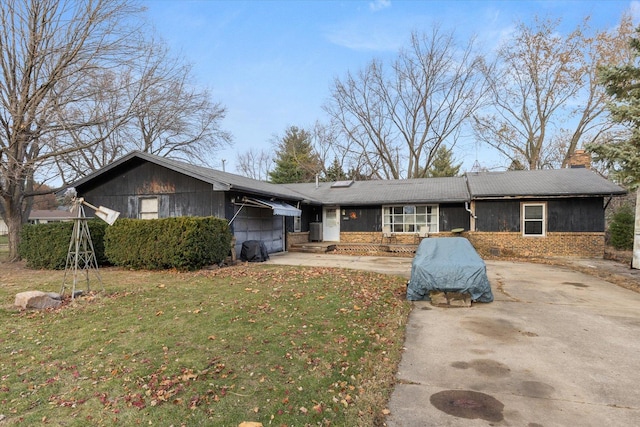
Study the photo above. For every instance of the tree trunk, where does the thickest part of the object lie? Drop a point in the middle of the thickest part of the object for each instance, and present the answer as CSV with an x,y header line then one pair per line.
x,y
635,262
13,218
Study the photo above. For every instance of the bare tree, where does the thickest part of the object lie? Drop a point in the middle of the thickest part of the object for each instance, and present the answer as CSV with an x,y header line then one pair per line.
x,y
255,164
172,117
393,121
150,105
49,50
111,105
545,97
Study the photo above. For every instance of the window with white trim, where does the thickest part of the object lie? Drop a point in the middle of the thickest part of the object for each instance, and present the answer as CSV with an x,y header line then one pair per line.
x,y
297,224
534,219
148,208
410,218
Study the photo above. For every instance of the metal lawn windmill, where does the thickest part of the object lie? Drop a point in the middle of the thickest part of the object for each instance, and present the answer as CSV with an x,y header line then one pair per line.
x,y
81,256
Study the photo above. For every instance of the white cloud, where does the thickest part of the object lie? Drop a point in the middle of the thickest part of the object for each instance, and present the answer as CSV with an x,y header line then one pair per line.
x,y
364,36
377,5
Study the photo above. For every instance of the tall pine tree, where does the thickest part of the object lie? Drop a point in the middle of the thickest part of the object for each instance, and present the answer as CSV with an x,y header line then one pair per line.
x,y
443,164
295,160
622,155
335,172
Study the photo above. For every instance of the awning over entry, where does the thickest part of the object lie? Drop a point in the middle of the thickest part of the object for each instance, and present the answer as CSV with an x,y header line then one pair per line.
x,y
279,208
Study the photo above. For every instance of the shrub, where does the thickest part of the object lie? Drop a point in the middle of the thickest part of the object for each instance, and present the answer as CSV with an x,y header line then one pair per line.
x,y
621,228
184,243
47,245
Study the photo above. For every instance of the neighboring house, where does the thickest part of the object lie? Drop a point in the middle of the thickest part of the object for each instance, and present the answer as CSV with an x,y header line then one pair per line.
x,y
522,213
41,217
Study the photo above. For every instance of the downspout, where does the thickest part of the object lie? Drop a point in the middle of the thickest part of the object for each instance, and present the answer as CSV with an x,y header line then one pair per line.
x,y
472,223
466,208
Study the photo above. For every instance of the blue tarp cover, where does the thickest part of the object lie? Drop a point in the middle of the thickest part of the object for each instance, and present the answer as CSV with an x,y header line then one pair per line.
x,y
448,264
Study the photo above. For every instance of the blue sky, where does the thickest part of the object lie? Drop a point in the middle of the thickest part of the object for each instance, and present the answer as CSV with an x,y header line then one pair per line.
x,y
271,63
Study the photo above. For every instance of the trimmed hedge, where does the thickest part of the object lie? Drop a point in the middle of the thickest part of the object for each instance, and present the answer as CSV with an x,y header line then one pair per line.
x,y
621,229
47,245
183,243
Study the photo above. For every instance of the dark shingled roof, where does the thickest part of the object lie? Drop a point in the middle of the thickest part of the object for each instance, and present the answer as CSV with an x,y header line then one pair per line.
x,y
537,183
473,186
431,190
220,180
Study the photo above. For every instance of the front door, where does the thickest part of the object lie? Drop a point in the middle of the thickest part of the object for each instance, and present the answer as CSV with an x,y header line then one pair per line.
x,y
331,224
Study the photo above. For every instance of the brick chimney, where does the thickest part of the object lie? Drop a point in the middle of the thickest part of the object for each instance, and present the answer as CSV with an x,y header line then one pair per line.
x,y
580,159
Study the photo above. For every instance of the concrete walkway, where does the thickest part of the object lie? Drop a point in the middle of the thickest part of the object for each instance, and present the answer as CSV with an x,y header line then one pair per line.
x,y
556,348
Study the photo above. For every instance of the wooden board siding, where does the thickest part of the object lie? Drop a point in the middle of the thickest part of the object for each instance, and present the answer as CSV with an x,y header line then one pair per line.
x,y
453,216
580,215
178,194
310,213
576,215
360,218
500,215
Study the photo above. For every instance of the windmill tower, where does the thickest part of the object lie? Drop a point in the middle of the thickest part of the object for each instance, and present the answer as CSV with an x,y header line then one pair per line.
x,y
81,256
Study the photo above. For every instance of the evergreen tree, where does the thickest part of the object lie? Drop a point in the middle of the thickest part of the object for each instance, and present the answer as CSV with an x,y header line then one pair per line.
x,y
622,156
443,164
295,159
335,172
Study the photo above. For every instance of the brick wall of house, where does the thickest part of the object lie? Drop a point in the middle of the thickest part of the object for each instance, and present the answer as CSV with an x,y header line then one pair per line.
x,y
505,244
297,238
376,237
495,244
360,237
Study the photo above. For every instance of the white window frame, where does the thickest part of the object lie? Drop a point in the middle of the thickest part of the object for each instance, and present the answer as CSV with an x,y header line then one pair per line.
x,y
525,220
411,219
297,224
145,210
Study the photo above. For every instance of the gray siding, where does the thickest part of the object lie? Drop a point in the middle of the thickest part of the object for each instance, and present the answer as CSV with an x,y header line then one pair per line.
x,y
259,224
178,194
563,215
453,216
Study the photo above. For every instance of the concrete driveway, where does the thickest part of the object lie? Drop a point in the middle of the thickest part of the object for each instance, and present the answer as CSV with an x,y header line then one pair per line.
x,y
556,348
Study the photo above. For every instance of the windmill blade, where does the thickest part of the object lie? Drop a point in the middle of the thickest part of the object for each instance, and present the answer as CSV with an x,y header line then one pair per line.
x,y
107,215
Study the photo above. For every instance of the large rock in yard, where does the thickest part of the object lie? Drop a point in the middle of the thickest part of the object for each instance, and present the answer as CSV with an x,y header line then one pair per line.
x,y
38,300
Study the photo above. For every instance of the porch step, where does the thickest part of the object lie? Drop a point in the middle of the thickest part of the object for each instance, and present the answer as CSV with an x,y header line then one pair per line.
x,y
316,248
354,248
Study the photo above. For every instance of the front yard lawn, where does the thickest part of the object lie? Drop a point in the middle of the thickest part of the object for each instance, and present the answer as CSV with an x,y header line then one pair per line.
x,y
284,346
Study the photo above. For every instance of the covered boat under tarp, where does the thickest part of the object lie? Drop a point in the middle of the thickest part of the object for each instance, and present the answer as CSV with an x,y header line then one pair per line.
x,y
448,264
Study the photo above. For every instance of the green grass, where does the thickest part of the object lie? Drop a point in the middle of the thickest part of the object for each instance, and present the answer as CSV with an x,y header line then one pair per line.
x,y
271,344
